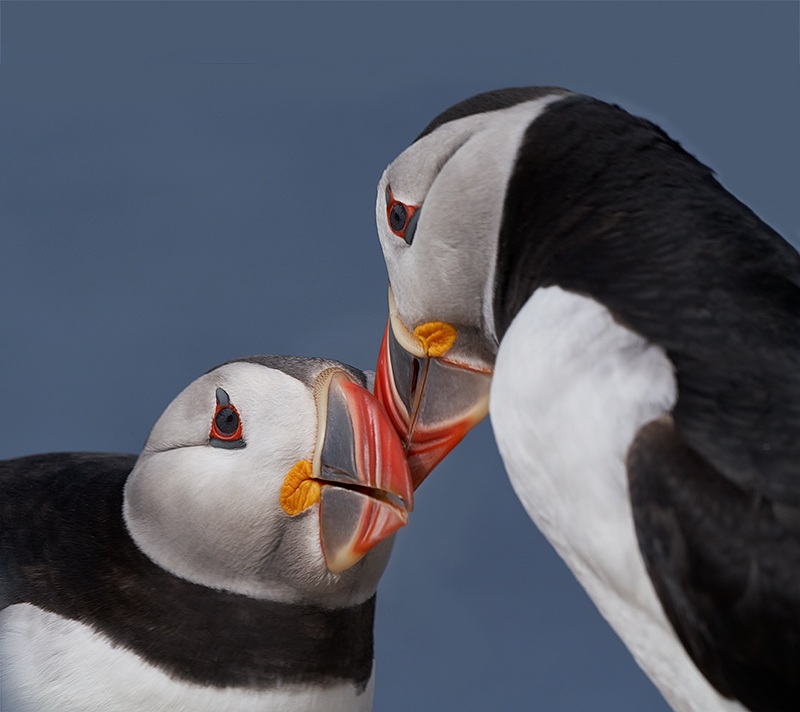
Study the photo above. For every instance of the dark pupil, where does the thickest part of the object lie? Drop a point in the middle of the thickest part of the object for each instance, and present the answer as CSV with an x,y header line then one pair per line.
x,y
397,217
227,421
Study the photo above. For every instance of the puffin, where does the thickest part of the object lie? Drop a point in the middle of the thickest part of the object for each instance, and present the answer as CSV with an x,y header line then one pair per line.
x,y
633,331
232,565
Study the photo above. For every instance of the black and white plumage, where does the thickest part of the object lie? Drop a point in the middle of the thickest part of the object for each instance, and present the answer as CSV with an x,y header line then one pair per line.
x,y
643,329
180,580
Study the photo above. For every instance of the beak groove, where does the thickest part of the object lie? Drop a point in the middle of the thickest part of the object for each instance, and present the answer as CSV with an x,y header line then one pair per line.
x,y
432,401
359,463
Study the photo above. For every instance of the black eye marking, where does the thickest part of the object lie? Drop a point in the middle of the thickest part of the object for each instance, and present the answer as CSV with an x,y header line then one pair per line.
x,y
402,218
226,427
411,226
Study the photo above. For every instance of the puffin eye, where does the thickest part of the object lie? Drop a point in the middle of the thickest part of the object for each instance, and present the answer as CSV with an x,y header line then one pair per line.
x,y
402,218
226,421
398,217
226,427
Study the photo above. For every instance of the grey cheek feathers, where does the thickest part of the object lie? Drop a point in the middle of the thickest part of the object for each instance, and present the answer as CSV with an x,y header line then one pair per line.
x,y
459,172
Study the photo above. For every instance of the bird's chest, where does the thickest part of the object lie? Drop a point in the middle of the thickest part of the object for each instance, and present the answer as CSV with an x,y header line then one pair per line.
x,y
571,389
52,663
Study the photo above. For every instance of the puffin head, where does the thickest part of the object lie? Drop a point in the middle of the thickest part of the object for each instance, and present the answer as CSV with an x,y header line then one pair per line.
x,y
275,477
439,212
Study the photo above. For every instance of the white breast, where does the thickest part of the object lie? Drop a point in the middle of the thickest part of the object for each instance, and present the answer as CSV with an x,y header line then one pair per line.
x,y
50,663
571,389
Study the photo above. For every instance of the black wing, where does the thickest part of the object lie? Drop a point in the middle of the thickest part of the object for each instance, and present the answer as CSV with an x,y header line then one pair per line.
x,y
39,495
726,566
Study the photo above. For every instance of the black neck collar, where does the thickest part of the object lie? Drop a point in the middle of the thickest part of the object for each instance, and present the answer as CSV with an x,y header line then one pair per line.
x,y
88,569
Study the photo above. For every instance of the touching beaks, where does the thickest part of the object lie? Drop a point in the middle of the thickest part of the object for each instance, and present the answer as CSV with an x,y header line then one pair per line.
x,y
359,473
432,400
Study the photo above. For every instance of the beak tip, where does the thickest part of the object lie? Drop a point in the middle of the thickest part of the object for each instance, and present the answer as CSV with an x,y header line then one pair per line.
x,y
367,488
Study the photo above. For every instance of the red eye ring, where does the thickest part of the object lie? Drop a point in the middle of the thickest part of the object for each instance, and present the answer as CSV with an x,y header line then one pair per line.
x,y
226,425
230,418
408,211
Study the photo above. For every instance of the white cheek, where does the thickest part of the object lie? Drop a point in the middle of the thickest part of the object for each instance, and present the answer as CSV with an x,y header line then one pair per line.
x,y
444,274
460,174
202,511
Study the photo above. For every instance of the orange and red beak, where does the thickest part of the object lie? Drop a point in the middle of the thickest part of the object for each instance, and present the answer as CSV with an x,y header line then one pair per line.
x,y
359,473
432,399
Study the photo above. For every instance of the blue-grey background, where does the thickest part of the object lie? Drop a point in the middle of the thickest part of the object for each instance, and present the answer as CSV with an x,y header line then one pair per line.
x,y
183,183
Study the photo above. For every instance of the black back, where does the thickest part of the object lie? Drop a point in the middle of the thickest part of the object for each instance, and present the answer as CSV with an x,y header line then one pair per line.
x,y
65,549
489,101
606,205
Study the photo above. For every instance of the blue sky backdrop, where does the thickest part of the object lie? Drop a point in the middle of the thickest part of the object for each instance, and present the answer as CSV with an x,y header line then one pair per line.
x,y
183,183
